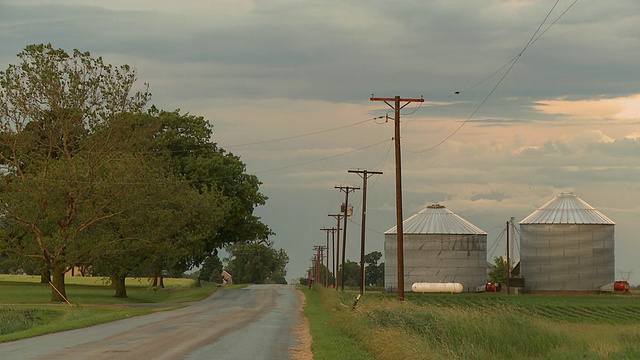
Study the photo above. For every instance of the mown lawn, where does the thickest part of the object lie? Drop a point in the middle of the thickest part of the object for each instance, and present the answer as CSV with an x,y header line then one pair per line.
x,y
26,310
484,326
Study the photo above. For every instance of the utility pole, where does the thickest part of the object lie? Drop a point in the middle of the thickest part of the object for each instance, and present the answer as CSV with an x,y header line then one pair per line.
x,y
315,266
327,273
399,228
347,190
312,271
333,243
510,239
336,256
508,260
364,174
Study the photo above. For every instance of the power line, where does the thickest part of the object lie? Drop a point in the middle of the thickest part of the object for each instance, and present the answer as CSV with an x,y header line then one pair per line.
x,y
325,158
304,135
513,62
531,42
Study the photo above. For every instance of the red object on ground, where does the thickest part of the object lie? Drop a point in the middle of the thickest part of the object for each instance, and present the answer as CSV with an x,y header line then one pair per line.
x,y
621,286
493,287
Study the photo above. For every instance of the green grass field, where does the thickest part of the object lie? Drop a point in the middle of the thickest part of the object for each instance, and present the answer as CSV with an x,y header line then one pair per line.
x,y
26,310
25,289
485,326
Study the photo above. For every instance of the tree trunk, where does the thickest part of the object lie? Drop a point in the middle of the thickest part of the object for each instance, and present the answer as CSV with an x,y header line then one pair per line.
x,y
198,284
45,275
58,283
158,279
117,281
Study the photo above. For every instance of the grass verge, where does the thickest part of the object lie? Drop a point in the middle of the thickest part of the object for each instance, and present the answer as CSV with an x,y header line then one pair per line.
x,y
25,321
480,326
324,311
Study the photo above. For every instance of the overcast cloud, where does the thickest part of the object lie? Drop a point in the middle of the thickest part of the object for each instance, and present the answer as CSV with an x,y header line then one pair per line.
x,y
565,118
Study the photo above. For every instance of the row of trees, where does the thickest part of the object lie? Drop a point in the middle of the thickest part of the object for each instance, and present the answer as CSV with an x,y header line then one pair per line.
x,y
250,262
374,272
91,177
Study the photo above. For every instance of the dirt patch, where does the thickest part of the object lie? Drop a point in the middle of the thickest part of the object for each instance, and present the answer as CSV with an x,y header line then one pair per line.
x,y
303,350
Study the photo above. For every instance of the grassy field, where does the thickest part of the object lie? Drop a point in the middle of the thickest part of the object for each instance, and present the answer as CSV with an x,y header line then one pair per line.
x,y
484,326
26,310
25,289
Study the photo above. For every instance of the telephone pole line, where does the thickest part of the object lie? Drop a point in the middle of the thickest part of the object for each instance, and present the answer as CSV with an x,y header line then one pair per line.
x,y
327,273
364,174
399,228
347,190
336,255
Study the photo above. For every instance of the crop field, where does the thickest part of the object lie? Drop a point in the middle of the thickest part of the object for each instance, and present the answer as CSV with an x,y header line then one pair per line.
x,y
592,309
488,325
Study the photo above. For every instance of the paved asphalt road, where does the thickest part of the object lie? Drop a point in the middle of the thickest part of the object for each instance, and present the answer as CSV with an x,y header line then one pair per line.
x,y
252,323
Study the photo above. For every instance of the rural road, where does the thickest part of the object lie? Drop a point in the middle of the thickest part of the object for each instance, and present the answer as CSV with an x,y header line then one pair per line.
x,y
255,323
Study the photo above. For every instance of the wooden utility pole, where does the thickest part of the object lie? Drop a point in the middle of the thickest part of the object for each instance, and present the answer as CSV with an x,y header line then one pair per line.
x,y
336,256
399,229
318,249
312,271
364,174
347,190
326,280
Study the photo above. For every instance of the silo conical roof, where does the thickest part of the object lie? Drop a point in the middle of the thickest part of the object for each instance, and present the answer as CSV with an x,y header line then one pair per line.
x,y
566,208
436,219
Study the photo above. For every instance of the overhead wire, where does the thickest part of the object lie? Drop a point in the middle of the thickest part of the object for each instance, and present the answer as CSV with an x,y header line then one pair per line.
x,y
531,42
512,63
324,158
304,134
310,134
497,242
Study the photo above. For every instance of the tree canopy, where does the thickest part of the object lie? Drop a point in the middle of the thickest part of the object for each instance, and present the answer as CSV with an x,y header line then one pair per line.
x,y
91,177
499,271
257,262
374,272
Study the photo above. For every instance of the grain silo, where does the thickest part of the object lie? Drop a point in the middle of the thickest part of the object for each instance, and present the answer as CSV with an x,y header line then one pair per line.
x,y
439,247
567,245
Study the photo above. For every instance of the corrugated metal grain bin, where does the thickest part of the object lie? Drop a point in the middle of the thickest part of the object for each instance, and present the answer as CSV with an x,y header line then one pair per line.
x,y
439,247
567,245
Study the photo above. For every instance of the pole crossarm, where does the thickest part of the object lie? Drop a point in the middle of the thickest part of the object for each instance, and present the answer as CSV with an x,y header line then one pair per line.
x,y
407,101
347,189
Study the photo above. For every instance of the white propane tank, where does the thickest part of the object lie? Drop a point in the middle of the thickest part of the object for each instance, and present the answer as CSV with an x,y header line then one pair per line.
x,y
453,288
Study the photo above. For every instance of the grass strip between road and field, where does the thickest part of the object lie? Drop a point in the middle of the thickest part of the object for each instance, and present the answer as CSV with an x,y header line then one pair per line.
x,y
323,310
26,310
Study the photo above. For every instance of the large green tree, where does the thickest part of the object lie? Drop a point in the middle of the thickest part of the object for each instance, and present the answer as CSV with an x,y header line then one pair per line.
x,y
374,272
170,221
58,180
89,178
351,274
257,262
196,158
184,142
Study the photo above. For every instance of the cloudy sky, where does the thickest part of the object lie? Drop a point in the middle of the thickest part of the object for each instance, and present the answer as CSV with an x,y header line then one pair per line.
x,y
549,101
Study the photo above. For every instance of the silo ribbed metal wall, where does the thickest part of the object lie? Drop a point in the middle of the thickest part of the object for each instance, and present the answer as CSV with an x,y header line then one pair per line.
x,y
567,257
437,258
